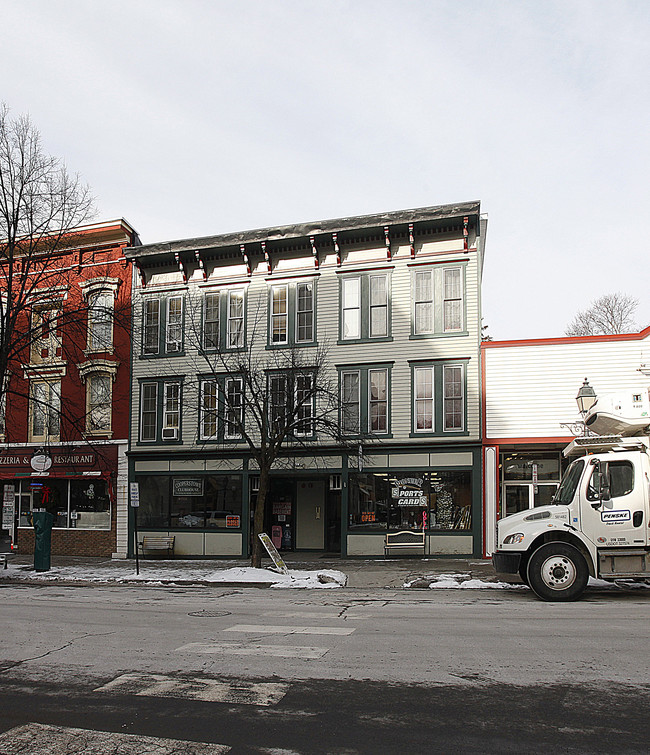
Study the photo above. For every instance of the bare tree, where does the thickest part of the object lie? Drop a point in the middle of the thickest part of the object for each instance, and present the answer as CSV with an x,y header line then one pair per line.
x,y
278,403
41,205
611,313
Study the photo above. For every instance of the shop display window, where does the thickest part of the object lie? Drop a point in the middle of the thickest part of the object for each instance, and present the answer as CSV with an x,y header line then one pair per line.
x,y
436,500
190,502
75,504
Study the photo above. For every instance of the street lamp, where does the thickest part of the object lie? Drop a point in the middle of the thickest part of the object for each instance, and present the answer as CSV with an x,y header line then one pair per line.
x,y
585,399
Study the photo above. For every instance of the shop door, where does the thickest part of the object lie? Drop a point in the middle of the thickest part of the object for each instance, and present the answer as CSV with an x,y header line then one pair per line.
x,y
525,495
310,515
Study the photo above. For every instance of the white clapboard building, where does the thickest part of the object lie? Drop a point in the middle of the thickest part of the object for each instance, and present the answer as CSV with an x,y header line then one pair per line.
x,y
530,411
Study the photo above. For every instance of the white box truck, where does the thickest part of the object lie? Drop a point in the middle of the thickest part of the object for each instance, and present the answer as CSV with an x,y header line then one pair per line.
x,y
599,521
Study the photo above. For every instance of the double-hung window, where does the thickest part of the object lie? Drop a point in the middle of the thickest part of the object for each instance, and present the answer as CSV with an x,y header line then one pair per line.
x,y
453,299
162,325
151,326
438,300
221,411
45,418
148,411
100,321
365,393
174,325
160,410
100,402
235,319
453,397
304,425
438,391
305,312
423,301
224,321
351,308
171,411
291,314
211,321
234,407
279,314
365,307
291,403
423,398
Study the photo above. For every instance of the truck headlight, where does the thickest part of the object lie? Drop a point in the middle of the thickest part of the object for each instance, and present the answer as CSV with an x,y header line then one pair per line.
x,y
517,537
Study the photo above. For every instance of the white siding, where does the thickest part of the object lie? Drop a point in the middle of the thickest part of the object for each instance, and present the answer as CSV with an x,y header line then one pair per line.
x,y
531,387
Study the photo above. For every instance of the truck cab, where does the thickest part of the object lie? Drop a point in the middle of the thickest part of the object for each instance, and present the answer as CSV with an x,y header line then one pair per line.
x,y
598,523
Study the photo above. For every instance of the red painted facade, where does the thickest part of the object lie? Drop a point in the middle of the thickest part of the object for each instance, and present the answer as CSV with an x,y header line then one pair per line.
x,y
67,408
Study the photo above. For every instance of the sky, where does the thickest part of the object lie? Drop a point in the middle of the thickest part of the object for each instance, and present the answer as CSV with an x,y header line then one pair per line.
x,y
200,117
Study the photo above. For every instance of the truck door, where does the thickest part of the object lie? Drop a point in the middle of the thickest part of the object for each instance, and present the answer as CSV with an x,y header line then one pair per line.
x,y
621,520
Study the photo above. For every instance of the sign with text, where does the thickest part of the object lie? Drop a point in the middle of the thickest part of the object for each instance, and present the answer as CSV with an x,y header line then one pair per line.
x,y
9,508
409,492
134,490
187,487
273,553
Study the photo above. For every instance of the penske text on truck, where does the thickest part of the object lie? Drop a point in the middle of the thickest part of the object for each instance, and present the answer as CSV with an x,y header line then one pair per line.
x,y
598,524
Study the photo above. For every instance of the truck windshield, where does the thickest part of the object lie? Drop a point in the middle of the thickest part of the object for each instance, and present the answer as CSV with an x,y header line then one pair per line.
x,y
569,483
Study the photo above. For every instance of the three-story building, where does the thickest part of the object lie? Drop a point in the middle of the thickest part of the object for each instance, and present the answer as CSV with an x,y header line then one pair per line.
x,y
394,301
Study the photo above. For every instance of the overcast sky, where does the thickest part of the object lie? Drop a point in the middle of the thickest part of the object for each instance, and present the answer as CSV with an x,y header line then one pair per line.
x,y
192,118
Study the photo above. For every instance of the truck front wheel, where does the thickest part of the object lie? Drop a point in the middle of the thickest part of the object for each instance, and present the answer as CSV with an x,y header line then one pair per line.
x,y
557,571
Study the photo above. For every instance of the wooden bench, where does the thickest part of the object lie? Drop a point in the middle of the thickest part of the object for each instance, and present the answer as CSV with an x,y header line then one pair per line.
x,y
405,539
158,543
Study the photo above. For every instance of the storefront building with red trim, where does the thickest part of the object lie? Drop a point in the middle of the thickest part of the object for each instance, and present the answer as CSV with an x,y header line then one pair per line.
x,y
530,414
64,423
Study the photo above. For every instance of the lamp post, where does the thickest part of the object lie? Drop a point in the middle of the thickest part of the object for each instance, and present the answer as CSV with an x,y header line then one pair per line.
x,y
585,399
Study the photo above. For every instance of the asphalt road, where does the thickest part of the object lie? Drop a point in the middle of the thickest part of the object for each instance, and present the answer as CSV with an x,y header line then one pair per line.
x,y
178,670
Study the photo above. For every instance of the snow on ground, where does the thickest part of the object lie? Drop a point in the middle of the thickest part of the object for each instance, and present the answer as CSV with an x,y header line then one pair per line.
x,y
187,573
458,582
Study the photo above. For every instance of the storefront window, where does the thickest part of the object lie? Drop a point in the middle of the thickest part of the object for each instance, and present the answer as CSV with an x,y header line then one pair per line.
x,y
90,507
531,466
410,501
75,504
190,502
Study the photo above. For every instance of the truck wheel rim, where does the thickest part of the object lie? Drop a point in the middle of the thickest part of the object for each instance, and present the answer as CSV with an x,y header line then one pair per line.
x,y
558,572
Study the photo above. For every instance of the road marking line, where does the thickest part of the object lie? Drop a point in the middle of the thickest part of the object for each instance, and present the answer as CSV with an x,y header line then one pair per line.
x,y
263,629
236,648
206,690
39,739
308,615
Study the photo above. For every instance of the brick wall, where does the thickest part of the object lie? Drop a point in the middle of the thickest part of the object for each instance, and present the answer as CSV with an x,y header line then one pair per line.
x,y
74,542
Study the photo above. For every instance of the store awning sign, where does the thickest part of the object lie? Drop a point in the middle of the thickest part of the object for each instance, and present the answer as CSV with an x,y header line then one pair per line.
x,y
409,491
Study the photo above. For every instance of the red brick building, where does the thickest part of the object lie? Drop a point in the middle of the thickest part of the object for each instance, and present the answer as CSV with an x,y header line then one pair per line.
x,y
64,421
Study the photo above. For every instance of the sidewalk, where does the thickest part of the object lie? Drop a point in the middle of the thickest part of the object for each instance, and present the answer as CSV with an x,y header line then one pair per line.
x,y
306,570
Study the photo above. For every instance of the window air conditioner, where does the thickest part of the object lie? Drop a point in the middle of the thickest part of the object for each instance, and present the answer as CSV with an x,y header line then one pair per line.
x,y
170,433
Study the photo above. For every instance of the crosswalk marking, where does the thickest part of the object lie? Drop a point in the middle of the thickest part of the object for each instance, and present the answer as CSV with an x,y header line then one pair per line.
x,y
206,690
308,615
40,739
237,648
264,629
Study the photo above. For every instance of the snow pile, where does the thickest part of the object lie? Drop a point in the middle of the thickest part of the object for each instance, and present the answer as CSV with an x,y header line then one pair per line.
x,y
295,578
458,582
188,573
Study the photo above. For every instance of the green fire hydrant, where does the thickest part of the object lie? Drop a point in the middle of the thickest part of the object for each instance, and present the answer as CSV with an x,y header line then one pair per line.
x,y
43,522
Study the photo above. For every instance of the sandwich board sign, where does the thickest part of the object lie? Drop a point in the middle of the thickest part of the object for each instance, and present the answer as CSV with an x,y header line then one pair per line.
x,y
273,553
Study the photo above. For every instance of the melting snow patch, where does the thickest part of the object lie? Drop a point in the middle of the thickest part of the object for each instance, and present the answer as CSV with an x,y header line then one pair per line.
x,y
458,582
